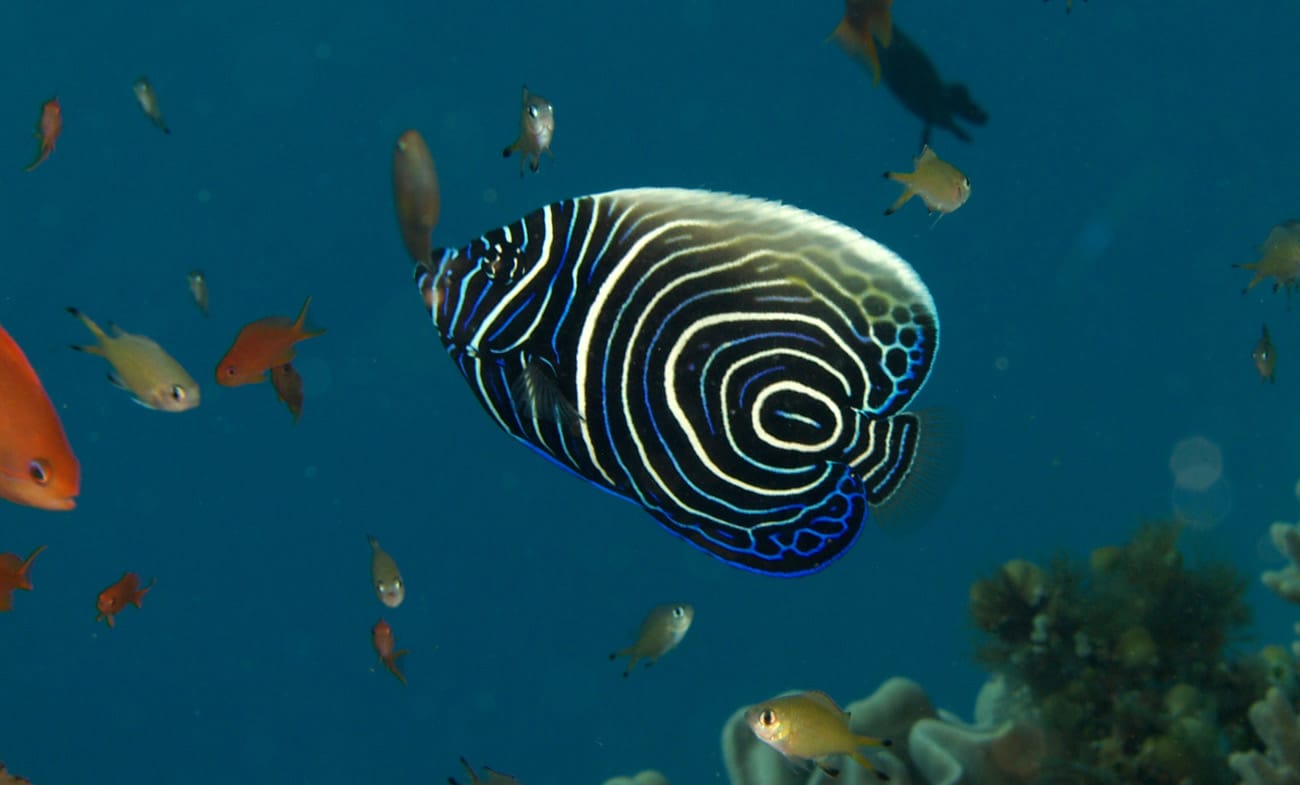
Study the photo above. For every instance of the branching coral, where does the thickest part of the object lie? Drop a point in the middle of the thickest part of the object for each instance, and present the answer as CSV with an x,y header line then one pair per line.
x,y
1126,658
1275,722
930,747
1285,582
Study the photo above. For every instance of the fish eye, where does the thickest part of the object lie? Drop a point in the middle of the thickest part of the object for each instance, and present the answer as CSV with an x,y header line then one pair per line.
x,y
532,111
767,717
230,370
679,612
178,393
39,470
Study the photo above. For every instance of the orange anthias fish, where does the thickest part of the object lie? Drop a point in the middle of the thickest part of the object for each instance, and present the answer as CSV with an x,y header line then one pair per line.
x,y
863,22
13,575
125,592
288,388
48,129
381,635
37,467
263,345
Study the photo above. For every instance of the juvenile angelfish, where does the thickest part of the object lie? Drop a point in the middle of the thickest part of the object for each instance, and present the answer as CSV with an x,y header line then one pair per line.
x,y
663,628
810,726
385,576
536,127
142,368
939,184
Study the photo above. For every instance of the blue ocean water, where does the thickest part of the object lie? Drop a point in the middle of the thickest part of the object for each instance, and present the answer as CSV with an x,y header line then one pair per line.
x,y
1091,320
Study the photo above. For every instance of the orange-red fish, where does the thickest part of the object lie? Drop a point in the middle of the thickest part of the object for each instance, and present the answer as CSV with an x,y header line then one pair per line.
x,y
13,576
381,635
415,194
125,592
6,778
261,346
48,129
864,21
288,388
37,467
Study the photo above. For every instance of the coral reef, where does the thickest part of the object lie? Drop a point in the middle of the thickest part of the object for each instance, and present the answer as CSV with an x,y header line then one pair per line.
x,y
646,777
930,746
1285,582
1274,720
1127,659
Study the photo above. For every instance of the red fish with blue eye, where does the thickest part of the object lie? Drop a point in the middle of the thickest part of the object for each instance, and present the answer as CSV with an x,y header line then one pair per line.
x,y
37,467
48,129
13,576
263,345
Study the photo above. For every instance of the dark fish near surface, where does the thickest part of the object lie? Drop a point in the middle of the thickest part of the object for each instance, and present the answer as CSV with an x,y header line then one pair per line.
x,y
415,194
915,82
536,127
738,367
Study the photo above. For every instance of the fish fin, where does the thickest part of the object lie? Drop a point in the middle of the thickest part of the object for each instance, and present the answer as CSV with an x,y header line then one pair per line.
x,y
90,325
300,324
825,701
883,27
95,350
927,154
115,329
828,769
138,402
907,503
868,765
510,148
374,541
537,394
6,600
908,193
113,379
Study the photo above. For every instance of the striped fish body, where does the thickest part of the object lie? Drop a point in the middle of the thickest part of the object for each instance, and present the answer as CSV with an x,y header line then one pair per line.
x,y
737,367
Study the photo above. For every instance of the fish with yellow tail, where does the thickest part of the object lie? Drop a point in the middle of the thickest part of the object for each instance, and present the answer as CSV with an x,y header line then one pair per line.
x,y
1265,357
385,576
865,21
940,185
536,128
142,368
809,726
663,628
1279,259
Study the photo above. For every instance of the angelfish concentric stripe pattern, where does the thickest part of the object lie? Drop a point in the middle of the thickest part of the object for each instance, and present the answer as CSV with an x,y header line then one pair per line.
x,y
737,367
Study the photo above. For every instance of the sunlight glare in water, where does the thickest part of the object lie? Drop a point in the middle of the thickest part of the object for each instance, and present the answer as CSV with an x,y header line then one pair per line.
x,y
1202,509
1197,463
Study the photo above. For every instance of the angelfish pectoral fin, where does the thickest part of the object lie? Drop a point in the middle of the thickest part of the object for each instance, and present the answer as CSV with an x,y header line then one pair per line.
x,y
537,394
913,460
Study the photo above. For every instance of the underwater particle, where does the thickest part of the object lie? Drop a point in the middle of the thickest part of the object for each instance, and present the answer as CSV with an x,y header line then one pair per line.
x,y
204,196
1196,462
1202,509
1001,363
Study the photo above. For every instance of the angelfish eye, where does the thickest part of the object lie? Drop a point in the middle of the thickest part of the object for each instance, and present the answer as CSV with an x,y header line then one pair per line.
x,y
39,471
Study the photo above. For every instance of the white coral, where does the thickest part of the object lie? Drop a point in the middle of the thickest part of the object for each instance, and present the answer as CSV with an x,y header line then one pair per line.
x,y
1275,722
1285,582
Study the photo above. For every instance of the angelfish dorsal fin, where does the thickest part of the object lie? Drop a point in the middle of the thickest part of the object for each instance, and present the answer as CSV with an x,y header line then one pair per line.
x,y
537,394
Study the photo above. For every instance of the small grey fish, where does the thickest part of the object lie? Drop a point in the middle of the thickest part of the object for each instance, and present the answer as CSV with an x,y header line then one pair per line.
x,y
536,127
385,576
198,289
663,628
149,103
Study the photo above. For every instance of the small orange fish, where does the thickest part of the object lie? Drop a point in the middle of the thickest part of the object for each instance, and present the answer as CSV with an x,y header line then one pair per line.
x,y
125,592
37,467
381,635
864,21
13,575
1265,357
263,345
288,388
48,129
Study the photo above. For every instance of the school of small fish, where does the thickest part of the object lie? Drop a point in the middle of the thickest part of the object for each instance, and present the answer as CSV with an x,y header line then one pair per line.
x,y
38,467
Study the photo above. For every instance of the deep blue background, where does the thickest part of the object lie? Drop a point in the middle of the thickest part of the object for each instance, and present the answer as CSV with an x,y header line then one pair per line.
x,y
1134,151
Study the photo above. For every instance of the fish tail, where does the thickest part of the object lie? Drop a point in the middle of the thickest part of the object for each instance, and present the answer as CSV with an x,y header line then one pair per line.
x,y
94,330
31,558
867,764
510,148
299,324
902,200
883,27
